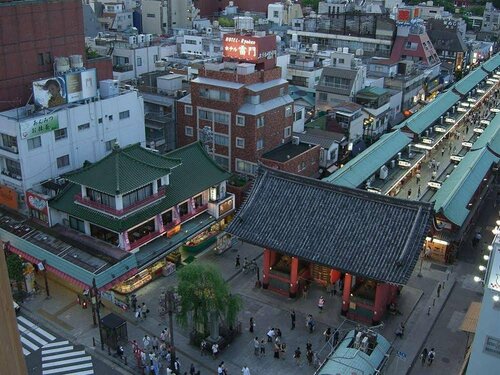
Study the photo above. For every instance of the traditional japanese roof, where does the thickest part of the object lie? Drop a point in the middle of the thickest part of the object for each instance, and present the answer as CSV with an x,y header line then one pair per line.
x,y
492,64
366,234
357,170
426,116
197,173
470,81
117,173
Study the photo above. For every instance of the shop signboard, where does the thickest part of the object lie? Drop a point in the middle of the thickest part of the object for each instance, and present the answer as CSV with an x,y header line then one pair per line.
x,y
478,130
435,184
494,275
456,158
225,207
374,190
485,122
440,129
50,92
249,48
39,125
449,120
36,202
467,144
81,85
427,141
404,163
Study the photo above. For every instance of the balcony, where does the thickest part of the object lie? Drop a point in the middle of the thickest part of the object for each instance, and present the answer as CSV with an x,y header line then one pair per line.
x,y
12,175
118,213
12,149
123,68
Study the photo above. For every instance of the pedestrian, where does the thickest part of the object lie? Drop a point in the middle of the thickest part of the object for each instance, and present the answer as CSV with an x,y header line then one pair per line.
x,y
401,330
262,348
256,346
321,304
434,173
192,369
245,370
220,369
431,356
310,323
203,347
252,324
327,334
277,348
237,262
145,311
282,350
215,350
305,289
155,344
177,365
309,356
146,342
296,356
334,289
442,152
476,239
134,302
309,346
293,317
270,335
335,337
418,192
418,177
341,285
438,290
138,314
409,194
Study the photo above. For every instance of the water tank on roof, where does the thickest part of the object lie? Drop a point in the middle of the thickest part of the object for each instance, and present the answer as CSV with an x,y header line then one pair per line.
x,y
141,38
345,50
109,87
295,37
76,61
149,37
132,39
62,64
315,47
384,171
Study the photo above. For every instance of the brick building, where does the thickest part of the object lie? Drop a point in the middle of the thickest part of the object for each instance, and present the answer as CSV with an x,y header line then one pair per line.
x,y
34,34
239,109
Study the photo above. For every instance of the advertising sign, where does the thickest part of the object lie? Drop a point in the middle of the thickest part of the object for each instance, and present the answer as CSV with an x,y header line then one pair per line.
x,y
467,144
456,158
427,141
39,125
249,48
494,276
49,92
404,163
435,184
81,85
36,202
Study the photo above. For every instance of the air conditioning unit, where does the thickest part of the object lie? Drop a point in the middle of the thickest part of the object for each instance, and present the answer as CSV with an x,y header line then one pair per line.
x,y
295,140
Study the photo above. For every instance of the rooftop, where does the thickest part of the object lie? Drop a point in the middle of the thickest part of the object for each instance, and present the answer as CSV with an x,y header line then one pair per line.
x,y
368,235
286,152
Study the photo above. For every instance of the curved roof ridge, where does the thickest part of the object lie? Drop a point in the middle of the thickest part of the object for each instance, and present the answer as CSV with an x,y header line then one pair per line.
x,y
145,162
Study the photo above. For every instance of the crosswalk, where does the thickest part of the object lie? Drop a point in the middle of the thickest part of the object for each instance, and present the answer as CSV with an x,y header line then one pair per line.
x,y
32,336
62,358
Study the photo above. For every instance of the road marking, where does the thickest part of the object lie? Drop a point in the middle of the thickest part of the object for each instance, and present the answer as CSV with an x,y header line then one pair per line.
x,y
34,337
57,350
25,351
67,361
64,355
33,327
65,369
54,344
29,344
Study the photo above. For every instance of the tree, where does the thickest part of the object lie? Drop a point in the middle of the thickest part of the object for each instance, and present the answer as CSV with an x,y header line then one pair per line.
x,y
203,294
226,22
15,269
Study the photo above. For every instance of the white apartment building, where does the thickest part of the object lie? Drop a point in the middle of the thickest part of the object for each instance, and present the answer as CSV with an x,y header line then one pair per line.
x,y
35,147
160,17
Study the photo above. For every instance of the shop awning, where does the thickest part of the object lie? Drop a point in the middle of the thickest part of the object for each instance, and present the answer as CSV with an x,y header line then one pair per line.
x,y
471,317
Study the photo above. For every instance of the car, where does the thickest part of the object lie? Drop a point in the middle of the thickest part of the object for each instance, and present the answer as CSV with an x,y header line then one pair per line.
x,y
17,308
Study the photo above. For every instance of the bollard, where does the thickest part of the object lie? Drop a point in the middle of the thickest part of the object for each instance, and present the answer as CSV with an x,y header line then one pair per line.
x,y
443,284
433,302
109,350
125,359
93,342
429,311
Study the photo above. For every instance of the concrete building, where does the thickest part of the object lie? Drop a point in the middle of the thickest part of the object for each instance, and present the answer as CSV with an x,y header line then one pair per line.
x,y
412,43
30,154
376,104
282,13
161,17
341,81
116,17
208,8
491,19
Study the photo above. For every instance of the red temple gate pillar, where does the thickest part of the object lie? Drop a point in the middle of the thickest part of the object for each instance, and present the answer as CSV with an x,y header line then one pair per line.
x,y
266,268
381,299
294,277
346,295
393,292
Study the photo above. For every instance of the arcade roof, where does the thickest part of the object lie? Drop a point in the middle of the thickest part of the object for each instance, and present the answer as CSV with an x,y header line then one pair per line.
x,y
365,234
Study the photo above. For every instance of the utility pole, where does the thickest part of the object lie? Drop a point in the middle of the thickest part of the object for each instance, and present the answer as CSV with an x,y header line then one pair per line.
x,y
169,304
96,302
44,263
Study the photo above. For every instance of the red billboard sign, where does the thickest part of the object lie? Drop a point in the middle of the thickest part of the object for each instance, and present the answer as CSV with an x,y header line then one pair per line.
x,y
249,48
36,202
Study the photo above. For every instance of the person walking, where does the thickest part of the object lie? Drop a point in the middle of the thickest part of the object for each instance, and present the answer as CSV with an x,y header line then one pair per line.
x,y
155,343
192,369
237,263
309,356
419,176
262,348
252,324
327,334
277,348
296,356
270,335
203,347
305,290
256,346
245,370
423,356
442,152
409,194
144,310
146,341
293,318
321,304
431,356
138,314
215,350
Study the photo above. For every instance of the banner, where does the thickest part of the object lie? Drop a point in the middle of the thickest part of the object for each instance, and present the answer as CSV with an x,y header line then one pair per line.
x,y
39,125
49,92
81,85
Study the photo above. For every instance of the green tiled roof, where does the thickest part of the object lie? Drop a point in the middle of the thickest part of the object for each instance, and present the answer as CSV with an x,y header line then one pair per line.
x,y
470,81
457,190
421,120
372,91
490,136
117,172
197,173
370,160
492,63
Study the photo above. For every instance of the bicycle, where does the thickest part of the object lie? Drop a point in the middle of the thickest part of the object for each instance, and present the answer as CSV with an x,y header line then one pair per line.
x,y
250,267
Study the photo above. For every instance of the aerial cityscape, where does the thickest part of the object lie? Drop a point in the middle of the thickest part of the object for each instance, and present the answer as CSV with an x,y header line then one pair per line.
x,y
289,187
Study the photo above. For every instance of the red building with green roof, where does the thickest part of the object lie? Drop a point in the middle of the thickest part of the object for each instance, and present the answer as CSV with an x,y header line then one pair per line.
x,y
147,204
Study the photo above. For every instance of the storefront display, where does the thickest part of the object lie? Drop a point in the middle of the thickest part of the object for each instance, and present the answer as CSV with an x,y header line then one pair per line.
x,y
203,240
142,278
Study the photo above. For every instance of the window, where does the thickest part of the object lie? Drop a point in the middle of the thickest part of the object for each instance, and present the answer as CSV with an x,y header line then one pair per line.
x,y
341,61
288,110
63,161
139,61
77,224
60,134
260,144
205,115
240,142
34,143
110,117
44,58
137,195
124,114
223,161
215,94
102,198
151,15
246,167
323,97
301,166
85,126
336,82
110,144
276,14
298,116
288,131
221,118
9,142
240,120
98,121
188,131
260,121
221,140
167,217
188,110
13,168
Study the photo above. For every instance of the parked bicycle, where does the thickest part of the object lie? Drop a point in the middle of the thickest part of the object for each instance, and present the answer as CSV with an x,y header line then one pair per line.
x,y
250,267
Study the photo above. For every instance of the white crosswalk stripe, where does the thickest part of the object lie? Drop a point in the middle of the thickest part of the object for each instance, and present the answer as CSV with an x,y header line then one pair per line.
x,y
62,358
32,336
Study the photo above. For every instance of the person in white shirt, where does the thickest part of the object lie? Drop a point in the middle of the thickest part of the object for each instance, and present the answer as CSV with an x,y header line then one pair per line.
x,y
245,370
